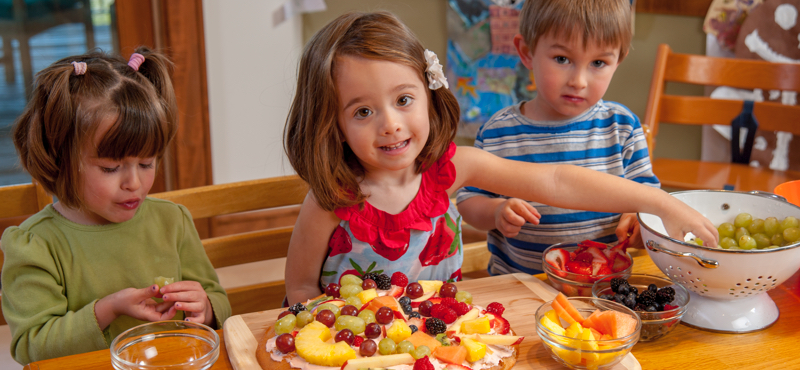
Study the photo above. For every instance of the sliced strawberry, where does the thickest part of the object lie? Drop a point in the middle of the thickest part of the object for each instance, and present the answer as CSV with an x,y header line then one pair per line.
x,y
501,325
456,367
557,258
396,291
601,269
621,262
579,267
623,245
590,243
592,255
399,315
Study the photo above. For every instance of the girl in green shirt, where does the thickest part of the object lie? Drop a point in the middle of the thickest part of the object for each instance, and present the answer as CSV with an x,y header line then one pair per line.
x,y
82,270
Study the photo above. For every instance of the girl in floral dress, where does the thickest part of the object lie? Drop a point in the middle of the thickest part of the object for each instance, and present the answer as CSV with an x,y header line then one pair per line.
x,y
371,130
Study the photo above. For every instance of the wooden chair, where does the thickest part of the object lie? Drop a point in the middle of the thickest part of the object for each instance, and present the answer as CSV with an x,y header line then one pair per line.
x,y
699,110
237,249
17,202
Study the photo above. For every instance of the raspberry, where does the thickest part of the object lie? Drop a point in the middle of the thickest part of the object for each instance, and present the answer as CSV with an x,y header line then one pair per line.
x,y
436,310
400,279
495,308
423,364
461,308
448,301
449,316
434,326
357,341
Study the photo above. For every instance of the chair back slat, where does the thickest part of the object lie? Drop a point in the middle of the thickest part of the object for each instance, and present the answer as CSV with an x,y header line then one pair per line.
x,y
738,73
248,247
697,110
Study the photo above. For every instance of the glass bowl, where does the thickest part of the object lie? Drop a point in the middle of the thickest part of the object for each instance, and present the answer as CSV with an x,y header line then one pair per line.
x,y
587,354
570,283
654,324
172,345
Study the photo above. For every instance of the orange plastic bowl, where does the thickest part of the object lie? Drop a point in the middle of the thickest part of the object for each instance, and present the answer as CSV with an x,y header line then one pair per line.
x,y
789,190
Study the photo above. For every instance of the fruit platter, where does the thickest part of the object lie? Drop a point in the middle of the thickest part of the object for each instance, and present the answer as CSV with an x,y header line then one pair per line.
x,y
517,296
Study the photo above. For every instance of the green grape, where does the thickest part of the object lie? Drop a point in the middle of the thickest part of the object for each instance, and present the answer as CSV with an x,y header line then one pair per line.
x,y
728,243
348,291
329,306
726,229
696,241
368,316
342,322
777,239
791,235
350,280
464,296
743,220
303,318
756,227
762,240
747,242
354,301
357,325
405,347
740,231
771,226
773,246
421,352
387,346
285,324
789,222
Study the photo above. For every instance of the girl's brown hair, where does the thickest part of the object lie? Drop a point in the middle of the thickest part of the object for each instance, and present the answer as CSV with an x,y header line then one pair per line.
x,y
606,22
66,110
313,141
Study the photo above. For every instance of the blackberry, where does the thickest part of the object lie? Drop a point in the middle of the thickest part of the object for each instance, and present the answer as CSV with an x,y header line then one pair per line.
x,y
652,287
384,282
435,326
407,309
616,283
647,298
633,289
639,307
665,295
297,308
414,314
370,275
413,328
404,300
624,289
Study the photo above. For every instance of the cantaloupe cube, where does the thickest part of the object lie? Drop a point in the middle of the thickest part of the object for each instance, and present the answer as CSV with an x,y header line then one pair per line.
x,y
422,339
451,354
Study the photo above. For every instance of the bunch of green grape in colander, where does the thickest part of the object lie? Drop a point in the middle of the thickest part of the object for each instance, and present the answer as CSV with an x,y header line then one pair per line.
x,y
749,233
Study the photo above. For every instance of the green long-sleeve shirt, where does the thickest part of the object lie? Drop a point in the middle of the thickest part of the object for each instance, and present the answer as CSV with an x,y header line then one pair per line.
x,y
56,270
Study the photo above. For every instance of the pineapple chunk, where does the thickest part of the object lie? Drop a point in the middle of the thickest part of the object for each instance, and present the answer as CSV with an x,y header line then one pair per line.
x,y
311,345
472,314
367,295
475,350
480,325
399,331
430,285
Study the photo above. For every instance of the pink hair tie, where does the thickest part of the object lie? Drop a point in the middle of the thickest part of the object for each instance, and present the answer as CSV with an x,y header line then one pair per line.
x,y
135,61
80,68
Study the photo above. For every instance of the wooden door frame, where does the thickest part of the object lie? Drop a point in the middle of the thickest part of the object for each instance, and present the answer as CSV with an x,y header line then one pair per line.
x,y
176,28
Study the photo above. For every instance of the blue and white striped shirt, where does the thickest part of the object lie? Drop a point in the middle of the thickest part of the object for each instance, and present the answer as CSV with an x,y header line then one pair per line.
x,y
608,138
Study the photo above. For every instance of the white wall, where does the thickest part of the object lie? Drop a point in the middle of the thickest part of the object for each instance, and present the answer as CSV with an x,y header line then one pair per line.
x,y
251,68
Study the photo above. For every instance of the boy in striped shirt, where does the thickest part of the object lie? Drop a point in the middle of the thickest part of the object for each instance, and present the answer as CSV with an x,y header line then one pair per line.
x,y
572,48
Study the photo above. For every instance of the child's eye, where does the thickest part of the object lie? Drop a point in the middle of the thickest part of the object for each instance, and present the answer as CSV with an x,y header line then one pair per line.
x,y
363,113
147,165
561,60
109,170
404,100
598,63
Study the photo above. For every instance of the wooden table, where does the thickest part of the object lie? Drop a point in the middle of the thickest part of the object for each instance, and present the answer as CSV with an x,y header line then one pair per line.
x,y
684,348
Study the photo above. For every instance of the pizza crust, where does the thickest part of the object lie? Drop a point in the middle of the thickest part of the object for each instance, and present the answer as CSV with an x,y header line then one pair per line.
x,y
267,363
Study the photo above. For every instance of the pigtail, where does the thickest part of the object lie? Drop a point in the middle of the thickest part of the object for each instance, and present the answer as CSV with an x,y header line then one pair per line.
x,y
157,68
44,133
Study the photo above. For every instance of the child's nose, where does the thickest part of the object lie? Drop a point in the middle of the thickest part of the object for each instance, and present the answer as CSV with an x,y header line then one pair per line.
x,y
578,79
132,180
391,124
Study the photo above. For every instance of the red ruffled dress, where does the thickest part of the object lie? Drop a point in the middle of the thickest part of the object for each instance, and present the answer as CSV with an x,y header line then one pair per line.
x,y
423,241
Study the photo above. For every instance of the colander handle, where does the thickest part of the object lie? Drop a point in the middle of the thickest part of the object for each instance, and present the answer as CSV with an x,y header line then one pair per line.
x,y
766,194
704,262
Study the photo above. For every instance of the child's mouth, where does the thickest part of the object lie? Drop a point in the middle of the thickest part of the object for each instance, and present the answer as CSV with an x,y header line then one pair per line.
x,y
573,99
399,145
132,204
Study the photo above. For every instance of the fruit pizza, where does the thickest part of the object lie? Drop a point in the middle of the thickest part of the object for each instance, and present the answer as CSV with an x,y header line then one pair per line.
x,y
375,321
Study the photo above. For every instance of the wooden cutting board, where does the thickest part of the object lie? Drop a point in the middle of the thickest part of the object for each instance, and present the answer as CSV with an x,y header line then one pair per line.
x,y
521,295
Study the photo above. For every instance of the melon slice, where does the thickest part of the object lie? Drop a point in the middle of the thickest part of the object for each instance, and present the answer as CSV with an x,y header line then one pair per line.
x,y
571,310
421,339
562,313
451,354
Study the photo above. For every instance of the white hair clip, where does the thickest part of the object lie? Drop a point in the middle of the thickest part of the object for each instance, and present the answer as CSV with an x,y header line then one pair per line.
x,y
436,78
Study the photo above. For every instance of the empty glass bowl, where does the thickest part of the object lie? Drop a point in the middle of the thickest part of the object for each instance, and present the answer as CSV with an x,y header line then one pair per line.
x,y
654,324
169,345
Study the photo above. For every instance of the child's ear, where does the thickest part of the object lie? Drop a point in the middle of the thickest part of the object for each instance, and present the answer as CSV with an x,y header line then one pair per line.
x,y
525,53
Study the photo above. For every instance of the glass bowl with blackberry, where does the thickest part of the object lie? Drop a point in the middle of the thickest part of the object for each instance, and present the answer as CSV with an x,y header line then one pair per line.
x,y
658,301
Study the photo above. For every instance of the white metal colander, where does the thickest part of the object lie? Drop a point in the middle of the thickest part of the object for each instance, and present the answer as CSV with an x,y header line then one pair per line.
x,y
727,287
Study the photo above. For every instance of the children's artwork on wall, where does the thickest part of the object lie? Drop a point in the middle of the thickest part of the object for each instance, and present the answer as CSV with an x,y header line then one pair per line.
x,y
482,64
770,32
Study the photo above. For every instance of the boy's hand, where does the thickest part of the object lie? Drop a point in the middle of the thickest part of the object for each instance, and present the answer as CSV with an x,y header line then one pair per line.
x,y
684,220
628,228
512,214
188,296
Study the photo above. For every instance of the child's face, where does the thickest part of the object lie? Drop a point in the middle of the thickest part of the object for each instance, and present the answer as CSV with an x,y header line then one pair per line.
x,y
570,79
384,112
112,190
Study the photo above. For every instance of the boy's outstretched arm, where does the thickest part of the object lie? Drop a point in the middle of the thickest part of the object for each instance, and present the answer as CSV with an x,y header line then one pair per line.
x,y
307,250
577,188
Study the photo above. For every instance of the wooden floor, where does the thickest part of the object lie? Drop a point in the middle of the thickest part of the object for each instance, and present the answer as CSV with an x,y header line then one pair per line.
x,y
46,48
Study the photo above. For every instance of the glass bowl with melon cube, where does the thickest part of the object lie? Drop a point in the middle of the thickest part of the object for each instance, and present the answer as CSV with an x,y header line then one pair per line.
x,y
587,333
658,323
575,284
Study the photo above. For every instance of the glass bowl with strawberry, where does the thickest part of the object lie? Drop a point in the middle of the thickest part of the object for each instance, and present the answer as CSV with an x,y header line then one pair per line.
x,y
658,302
572,268
587,333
